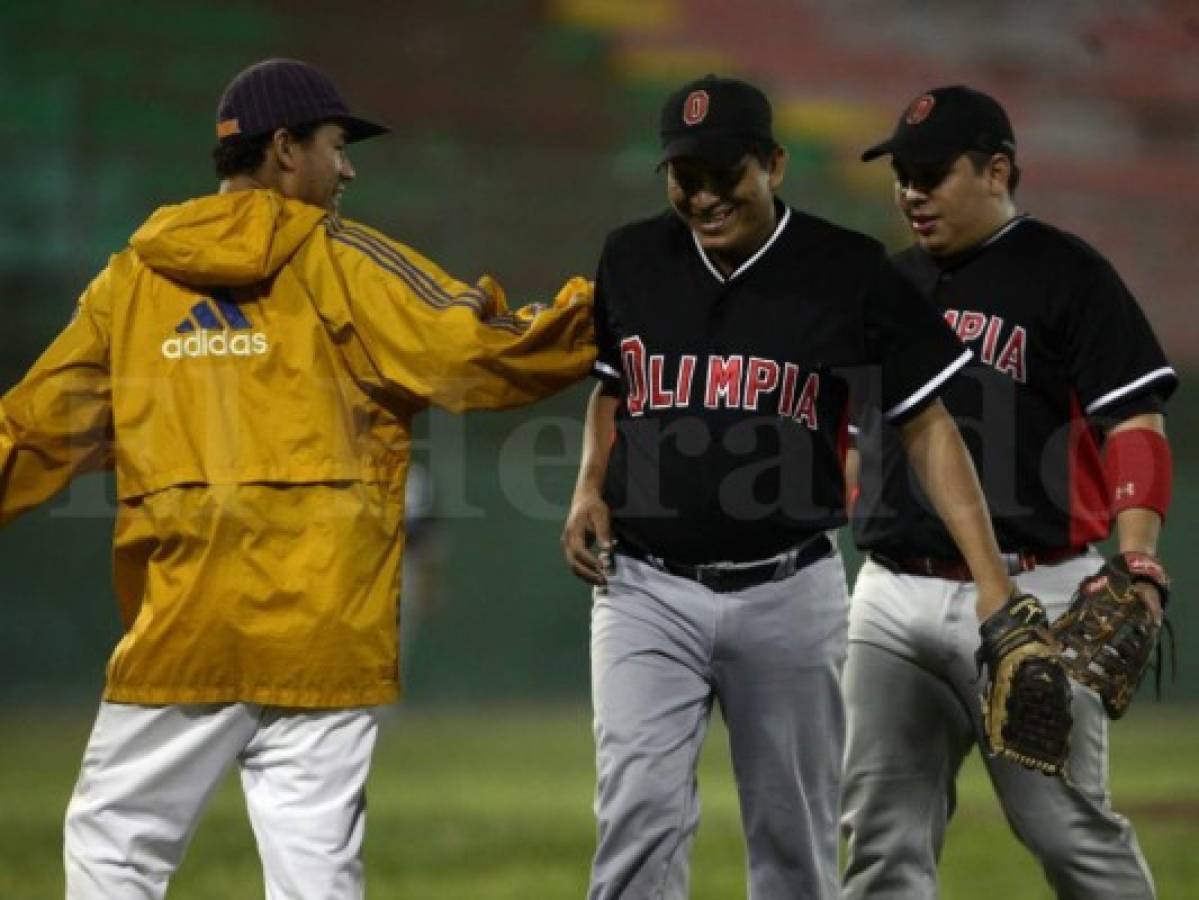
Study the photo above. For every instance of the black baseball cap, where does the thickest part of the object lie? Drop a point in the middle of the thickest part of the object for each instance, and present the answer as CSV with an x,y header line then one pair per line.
x,y
945,122
715,119
283,93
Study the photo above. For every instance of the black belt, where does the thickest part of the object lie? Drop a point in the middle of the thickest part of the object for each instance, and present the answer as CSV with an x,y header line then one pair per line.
x,y
957,570
725,577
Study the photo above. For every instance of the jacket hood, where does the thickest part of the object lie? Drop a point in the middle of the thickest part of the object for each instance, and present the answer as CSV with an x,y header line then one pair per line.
x,y
227,240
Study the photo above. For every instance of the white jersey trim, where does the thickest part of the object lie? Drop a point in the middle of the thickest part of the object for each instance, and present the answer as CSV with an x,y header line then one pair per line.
x,y
1129,388
605,369
1005,228
753,259
929,387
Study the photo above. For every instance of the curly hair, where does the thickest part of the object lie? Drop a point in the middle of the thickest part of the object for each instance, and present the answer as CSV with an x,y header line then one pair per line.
x,y
244,156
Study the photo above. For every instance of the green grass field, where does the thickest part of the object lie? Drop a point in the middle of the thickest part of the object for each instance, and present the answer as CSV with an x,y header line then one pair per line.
x,y
496,805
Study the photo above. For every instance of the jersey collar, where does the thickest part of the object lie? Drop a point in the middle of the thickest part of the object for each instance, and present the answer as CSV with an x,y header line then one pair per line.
x,y
784,217
1004,229
960,258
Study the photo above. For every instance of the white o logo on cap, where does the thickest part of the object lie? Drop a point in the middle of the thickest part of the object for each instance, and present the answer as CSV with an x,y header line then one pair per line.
x,y
695,107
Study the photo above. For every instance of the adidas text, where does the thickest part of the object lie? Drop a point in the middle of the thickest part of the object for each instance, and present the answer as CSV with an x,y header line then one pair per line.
x,y
215,343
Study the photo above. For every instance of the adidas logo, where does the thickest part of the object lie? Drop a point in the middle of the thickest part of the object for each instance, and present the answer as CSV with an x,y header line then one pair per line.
x,y
206,333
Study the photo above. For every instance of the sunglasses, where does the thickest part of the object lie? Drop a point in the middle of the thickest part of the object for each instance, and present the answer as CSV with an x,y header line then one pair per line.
x,y
693,175
923,178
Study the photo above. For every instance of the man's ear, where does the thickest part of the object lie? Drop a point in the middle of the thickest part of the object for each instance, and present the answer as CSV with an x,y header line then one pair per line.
x,y
283,145
1000,170
778,167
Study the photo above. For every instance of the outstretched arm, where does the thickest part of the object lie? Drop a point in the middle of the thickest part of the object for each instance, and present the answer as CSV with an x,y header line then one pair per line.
x,y
416,331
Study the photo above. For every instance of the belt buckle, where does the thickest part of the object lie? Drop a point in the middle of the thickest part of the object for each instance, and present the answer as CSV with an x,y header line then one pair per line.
x,y
710,574
711,579
1019,561
722,577
757,571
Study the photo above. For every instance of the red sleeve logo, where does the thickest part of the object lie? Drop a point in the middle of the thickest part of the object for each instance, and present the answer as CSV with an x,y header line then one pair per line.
x,y
695,107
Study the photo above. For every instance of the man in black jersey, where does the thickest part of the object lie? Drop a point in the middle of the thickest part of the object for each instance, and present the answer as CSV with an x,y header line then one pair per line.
x,y
1061,408
727,329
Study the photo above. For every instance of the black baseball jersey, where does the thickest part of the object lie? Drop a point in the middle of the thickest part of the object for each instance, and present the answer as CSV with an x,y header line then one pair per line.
x,y
731,436
1060,346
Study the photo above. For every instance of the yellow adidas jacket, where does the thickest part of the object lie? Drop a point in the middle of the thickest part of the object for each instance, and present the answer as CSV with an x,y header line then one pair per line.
x,y
250,369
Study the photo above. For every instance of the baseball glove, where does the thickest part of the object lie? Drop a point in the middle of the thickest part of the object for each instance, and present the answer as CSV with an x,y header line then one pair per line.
x,y
1026,696
1109,633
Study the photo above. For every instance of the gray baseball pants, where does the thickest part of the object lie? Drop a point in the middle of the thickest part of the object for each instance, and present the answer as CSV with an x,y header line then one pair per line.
x,y
912,700
663,649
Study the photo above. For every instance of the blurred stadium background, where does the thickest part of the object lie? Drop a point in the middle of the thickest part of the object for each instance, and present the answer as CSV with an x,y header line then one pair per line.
x,y
524,131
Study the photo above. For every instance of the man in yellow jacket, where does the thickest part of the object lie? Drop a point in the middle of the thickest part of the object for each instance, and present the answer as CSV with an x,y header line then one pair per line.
x,y
250,367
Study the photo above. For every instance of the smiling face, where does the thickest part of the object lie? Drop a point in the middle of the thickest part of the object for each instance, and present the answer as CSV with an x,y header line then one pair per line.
x,y
730,210
954,206
320,169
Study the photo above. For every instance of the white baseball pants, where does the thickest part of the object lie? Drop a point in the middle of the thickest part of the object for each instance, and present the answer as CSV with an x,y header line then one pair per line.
x,y
148,772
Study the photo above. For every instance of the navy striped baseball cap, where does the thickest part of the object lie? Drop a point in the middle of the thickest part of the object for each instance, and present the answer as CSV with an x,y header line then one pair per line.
x,y
284,93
